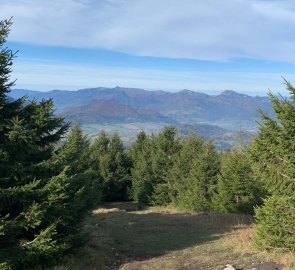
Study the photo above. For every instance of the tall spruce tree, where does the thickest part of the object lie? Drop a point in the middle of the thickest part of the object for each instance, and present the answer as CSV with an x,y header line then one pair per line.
x,y
143,178
120,181
238,190
152,159
273,159
194,174
202,178
182,166
43,195
28,134
164,147
141,169
113,166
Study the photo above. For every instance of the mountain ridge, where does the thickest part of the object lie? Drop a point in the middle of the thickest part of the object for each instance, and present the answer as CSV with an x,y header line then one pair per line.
x,y
219,117
228,109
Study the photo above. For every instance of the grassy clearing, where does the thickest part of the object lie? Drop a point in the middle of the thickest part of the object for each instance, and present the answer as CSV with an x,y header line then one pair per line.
x,y
123,237
242,240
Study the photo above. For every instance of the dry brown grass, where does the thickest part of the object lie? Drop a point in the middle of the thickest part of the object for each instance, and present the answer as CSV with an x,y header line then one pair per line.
x,y
288,258
122,236
242,239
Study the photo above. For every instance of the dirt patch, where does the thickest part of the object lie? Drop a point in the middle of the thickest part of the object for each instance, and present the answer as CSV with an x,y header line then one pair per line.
x,y
267,266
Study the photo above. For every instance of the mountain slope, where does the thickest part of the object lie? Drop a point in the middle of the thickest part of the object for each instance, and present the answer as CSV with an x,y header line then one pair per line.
x,y
185,106
107,111
229,109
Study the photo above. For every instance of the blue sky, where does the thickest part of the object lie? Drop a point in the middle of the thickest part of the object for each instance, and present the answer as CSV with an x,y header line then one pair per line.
x,y
208,46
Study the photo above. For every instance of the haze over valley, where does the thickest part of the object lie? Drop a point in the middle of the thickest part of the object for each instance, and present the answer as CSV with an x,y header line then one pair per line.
x,y
224,117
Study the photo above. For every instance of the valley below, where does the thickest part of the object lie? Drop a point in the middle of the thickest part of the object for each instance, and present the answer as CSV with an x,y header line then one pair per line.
x,y
227,119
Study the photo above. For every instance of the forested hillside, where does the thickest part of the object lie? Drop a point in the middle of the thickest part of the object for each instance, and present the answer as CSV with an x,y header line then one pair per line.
x,y
52,175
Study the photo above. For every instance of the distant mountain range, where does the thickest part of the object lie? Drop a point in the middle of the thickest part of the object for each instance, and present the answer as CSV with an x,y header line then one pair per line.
x,y
208,115
188,107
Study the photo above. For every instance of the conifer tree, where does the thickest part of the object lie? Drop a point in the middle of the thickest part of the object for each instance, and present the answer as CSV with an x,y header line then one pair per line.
x,y
75,151
142,175
113,165
190,149
203,175
152,159
29,233
137,147
99,155
163,150
273,156
238,190
119,182
276,228
202,178
77,183
141,170
194,174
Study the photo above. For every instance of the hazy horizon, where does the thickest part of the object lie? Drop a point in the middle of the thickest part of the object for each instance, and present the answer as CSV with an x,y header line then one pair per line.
x,y
208,92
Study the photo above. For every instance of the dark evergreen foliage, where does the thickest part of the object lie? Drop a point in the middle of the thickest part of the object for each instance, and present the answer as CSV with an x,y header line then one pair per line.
x,y
237,190
194,174
141,172
43,196
78,187
163,149
275,223
112,165
273,156
152,161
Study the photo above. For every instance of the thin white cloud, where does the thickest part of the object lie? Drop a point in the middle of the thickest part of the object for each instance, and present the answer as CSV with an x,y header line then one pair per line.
x,y
211,29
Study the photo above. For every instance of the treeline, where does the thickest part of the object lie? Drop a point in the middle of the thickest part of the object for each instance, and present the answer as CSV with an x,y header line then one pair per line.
x,y
190,174
49,184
